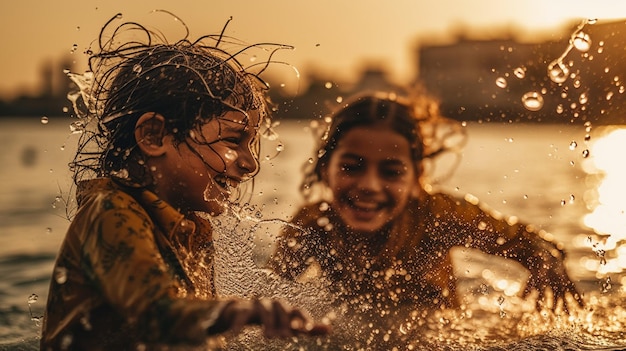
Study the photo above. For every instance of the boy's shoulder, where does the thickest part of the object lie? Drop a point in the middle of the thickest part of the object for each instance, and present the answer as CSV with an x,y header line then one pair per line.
x,y
104,194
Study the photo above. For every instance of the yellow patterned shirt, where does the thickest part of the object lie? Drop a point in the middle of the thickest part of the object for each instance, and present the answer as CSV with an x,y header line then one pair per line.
x,y
132,272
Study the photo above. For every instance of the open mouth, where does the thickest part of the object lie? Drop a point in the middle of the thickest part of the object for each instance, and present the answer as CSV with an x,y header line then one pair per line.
x,y
226,184
365,206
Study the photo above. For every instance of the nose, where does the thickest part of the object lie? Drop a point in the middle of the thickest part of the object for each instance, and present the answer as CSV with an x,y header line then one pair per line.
x,y
370,181
248,161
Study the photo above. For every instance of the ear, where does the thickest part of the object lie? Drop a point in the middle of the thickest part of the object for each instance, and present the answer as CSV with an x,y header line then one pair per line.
x,y
149,134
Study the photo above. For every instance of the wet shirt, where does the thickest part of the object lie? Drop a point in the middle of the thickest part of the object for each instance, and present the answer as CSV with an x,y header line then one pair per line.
x,y
408,260
132,271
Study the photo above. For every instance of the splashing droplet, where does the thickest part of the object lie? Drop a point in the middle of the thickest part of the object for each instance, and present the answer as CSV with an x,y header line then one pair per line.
x,y
501,82
231,155
558,71
532,101
520,72
582,41
60,275
32,298
583,98
559,108
585,153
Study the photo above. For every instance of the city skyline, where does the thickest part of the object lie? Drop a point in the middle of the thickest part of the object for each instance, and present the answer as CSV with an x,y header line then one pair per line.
x,y
334,37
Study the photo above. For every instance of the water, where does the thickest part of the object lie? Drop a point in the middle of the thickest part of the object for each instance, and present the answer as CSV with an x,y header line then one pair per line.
x,y
541,173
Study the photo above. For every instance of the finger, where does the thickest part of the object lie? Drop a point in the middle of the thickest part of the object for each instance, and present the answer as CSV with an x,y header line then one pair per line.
x,y
243,314
318,329
264,312
541,299
282,319
575,294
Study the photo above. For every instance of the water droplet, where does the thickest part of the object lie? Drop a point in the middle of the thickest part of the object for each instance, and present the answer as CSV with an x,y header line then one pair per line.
x,y
573,145
609,95
32,298
137,68
322,221
339,99
328,85
585,153
532,101
501,82
582,41
44,120
48,230
583,98
280,147
60,275
231,155
324,206
558,71
559,108
520,72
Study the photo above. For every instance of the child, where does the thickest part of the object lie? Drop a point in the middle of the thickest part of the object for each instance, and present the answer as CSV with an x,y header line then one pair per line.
x,y
176,131
379,237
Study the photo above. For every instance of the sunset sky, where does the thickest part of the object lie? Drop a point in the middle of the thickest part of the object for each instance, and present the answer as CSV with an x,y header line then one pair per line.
x,y
330,35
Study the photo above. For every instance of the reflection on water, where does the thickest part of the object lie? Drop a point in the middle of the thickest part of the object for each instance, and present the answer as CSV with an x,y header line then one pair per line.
x,y
607,200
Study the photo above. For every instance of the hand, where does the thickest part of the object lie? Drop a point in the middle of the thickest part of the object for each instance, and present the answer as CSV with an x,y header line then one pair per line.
x,y
548,274
275,317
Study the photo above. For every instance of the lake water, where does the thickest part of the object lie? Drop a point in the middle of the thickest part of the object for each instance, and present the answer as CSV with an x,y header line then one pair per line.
x,y
540,173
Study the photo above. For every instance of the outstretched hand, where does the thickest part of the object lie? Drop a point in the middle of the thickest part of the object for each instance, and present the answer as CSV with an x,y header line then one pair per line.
x,y
276,318
548,274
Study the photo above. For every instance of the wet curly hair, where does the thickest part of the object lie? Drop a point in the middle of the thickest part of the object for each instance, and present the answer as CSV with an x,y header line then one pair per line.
x,y
187,82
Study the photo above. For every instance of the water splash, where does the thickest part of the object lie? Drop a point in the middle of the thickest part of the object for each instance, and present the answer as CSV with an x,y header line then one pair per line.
x,y
558,70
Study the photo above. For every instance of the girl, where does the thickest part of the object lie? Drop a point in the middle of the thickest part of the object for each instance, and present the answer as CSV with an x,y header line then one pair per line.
x,y
377,235
175,131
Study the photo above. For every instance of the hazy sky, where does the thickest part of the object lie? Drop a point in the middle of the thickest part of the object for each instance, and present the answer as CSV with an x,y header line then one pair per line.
x,y
333,35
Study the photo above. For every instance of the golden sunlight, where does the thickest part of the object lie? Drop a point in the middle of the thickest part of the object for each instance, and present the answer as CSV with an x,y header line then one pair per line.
x,y
606,200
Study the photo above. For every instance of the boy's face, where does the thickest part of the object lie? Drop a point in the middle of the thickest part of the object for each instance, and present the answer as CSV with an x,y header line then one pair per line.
x,y
199,174
372,175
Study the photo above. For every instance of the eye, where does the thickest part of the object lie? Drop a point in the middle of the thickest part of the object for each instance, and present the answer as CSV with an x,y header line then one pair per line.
x,y
232,140
393,172
351,167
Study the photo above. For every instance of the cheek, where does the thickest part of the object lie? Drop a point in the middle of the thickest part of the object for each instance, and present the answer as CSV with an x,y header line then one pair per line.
x,y
402,192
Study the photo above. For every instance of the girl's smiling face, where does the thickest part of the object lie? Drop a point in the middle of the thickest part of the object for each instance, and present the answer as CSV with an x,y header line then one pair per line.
x,y
372,176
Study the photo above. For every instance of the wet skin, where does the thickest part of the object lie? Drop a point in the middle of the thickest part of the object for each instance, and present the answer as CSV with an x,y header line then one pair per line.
x,y
372,177
200,173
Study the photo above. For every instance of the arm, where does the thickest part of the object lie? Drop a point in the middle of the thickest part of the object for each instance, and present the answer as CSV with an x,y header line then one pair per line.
x,y
493,233
134,279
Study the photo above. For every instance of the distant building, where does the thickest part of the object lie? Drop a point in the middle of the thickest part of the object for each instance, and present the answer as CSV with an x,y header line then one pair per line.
x,y
487,80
